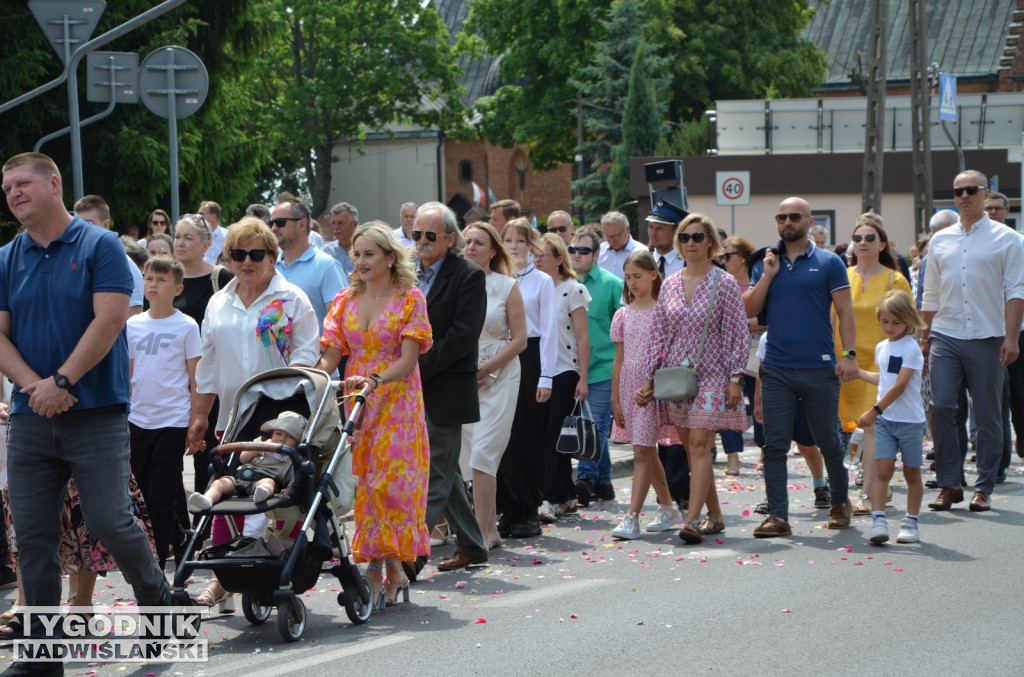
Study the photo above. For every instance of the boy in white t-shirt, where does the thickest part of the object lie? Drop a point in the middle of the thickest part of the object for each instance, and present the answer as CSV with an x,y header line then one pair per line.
x,y
898,415
164,348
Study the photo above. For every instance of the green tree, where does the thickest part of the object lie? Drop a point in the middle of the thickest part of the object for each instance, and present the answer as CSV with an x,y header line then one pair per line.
x,y
735,49
125,156
542,45
604,85
641,127
335,70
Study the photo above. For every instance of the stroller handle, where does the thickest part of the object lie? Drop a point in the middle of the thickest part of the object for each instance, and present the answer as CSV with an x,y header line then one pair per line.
x,y
237,447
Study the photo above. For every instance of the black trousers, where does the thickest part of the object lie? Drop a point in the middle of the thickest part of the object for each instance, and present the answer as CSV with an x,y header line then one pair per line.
x,y
521,471
558,486
157,461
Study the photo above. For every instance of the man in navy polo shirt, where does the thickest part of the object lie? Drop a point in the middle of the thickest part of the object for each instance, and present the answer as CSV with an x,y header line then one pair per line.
x,y
64,290
796,285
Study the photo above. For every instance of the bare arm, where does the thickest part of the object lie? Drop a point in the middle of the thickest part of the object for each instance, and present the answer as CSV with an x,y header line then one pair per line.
x,y
846,367
582,330
515,315
398,369
620,419
754,298
867,419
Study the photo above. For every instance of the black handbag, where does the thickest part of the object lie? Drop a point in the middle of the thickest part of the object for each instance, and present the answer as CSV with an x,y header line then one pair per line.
x,y
579,434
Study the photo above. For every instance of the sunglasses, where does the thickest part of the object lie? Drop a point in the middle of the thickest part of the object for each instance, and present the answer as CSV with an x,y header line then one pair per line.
x,y
870,237
429,234
728,255
792,216
970,190
198,218
280,221
255,255
161,222
558,229
585,251
696,237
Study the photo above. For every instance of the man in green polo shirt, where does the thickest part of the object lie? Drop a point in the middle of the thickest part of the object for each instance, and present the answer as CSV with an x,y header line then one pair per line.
x,y
595,479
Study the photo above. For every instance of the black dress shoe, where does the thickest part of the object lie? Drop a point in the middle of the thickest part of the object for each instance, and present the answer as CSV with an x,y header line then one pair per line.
x,y
584,491
412,569
505,524
525,528
1001,477
37,669
932,484
930,456
605,491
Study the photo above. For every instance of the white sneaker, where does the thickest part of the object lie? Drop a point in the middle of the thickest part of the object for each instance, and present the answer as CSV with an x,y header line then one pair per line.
x,y
908,531
879,531
628,529
197,503
667,517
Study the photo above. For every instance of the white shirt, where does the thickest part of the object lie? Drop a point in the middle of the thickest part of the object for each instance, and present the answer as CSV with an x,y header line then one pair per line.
x,y
612,260
216,245
316,239
673,262
159,350
569,296
891,356
969,276
138,286
233,352
538,290
404,239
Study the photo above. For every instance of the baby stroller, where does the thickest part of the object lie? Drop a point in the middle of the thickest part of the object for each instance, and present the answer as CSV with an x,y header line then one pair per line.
x,y
322,489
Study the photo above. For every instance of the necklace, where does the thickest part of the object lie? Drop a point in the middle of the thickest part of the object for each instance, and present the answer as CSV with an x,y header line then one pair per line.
x,y
382,296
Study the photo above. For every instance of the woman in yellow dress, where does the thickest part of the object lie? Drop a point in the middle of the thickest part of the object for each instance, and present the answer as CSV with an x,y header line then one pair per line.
x,y
873,271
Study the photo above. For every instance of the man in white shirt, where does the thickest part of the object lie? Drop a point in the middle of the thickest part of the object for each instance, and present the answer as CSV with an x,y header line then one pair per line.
x,y
211,213
404,232
617,245
661,234
973,305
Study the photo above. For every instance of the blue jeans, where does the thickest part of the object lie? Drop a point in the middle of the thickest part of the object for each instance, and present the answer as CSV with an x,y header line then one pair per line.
x,y
782,391
599,396
91,446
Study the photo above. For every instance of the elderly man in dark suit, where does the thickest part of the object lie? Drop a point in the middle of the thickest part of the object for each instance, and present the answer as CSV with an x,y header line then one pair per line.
x,y
456,294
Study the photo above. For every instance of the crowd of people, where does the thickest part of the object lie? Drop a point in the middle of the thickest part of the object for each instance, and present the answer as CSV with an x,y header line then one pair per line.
x,y
476,341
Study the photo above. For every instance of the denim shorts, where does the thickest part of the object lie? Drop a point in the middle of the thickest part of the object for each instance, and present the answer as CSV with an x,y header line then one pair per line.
x,y
893,436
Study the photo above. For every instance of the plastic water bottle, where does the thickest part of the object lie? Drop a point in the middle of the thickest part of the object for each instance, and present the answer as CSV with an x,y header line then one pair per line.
x,y
854,451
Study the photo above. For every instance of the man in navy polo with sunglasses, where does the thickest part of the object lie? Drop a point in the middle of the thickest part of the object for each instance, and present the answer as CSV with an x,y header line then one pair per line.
x,y
973,303
796,285
595,479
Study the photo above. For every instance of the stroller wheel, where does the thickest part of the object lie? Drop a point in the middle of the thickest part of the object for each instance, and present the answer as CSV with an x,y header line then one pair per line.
x,y
254,608
291,620
358,611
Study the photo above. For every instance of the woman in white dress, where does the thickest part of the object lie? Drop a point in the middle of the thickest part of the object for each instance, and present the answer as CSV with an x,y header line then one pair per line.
x,y
502,339
521,476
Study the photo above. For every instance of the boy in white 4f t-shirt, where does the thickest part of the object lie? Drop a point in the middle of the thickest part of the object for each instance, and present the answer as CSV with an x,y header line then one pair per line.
x,y
164,348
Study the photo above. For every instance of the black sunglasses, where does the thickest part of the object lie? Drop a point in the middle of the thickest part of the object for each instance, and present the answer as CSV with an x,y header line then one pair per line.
x,y
558,229
970,190
198,218
429,234
728,255
255,255
696,237
792,216
161,222
870,237
585,251
280,221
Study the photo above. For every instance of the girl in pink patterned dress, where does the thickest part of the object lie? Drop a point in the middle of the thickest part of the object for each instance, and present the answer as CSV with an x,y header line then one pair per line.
x,y
632,329
685,299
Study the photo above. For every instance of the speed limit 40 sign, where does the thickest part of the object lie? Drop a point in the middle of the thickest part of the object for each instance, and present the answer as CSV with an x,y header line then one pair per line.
x,y
732,188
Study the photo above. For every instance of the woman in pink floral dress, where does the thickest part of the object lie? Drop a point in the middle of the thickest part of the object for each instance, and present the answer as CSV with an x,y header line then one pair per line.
x,y
685,299
381,323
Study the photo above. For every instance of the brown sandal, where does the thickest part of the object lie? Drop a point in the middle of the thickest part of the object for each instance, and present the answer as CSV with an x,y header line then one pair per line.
x,y
711,525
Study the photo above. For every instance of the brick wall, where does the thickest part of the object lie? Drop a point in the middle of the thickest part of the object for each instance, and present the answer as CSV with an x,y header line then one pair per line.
x,y
1013,58
539,193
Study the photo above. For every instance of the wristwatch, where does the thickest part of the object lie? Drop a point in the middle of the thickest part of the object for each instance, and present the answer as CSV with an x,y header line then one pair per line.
x,y
61,380
378,379
849,353
737,379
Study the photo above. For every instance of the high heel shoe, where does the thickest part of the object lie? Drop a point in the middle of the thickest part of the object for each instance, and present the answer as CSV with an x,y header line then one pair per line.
x,y
378,595
391,592
225,604
440,534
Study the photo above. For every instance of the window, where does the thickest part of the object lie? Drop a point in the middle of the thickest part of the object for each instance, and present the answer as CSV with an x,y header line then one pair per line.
x,y
466,170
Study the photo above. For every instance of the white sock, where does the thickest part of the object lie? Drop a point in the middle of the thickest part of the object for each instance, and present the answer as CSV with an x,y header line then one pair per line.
x,y
261,494
198,503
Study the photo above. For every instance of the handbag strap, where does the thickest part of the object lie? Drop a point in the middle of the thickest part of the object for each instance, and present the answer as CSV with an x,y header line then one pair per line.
x,y
707,316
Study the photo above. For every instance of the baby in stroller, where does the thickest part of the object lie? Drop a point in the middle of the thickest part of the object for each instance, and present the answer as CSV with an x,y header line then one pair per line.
x,y
262,474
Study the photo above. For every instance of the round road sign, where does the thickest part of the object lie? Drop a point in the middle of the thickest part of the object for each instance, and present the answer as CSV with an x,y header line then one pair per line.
x,y
173,82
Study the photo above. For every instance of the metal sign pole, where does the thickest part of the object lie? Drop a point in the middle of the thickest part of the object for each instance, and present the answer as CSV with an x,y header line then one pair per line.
x,y
172,136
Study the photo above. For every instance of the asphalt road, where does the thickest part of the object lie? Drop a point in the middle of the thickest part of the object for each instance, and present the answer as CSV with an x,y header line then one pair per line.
x,y
576,602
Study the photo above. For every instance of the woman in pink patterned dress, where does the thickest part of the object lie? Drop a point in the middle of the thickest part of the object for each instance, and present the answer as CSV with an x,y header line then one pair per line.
x,y
381,323
685,300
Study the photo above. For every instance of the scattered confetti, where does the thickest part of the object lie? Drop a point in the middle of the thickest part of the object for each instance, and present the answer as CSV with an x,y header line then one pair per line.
x,y
479,621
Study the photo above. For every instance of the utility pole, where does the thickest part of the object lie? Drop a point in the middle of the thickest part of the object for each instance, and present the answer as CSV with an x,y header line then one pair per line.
x,y
874,130
920,119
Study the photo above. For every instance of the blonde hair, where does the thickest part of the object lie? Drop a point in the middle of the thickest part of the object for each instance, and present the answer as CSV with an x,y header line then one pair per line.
x,y
522,226
565,268
501,262
403,273
709,228
899,304
251,228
